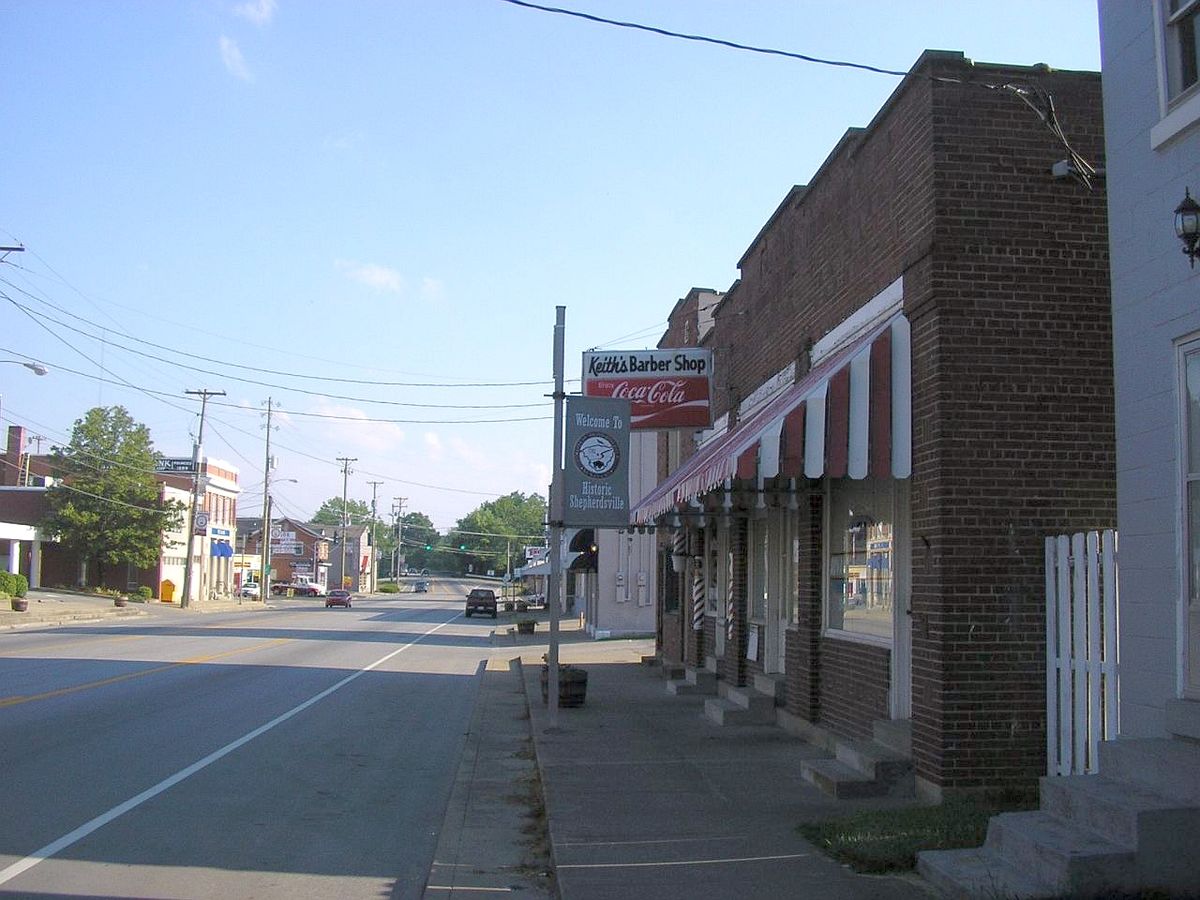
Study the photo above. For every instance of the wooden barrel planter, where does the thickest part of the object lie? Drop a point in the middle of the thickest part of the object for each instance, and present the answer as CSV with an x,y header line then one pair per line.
x,y
20,604
572,685
526,626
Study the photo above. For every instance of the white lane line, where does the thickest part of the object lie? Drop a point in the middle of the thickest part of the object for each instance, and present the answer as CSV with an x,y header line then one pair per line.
x,y
683,862
57,846
684,840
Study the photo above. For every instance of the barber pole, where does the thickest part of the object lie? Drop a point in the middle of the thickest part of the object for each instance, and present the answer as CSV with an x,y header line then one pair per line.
x,y
729,605
698,587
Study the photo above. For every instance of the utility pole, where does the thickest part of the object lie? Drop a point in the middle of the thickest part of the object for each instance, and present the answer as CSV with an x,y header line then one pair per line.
x,y
345,461
554,590
264,547
400,501
185,599
374,582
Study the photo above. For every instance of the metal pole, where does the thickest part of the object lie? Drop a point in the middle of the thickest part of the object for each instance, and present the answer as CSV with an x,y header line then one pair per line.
x,y
345,461
399,535
264,549
374,580
185,599
556,516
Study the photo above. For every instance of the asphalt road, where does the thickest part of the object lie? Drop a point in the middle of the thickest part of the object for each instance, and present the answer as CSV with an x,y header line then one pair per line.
x,y
291,752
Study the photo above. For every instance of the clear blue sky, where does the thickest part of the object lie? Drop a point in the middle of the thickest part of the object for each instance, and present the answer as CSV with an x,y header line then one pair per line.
x,y
402,192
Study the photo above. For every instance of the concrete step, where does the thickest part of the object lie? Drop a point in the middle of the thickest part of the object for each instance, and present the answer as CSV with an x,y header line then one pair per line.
x,y
979,872
1161,830
774,686
1123,812
726,712
695,681
710,663
839,780
749,698
1167,766
876,762
672,671
895,734
1183,718
1059,854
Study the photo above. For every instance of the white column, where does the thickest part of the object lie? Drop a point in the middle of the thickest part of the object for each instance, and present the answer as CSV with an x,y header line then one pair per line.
x,y
35,567
14,557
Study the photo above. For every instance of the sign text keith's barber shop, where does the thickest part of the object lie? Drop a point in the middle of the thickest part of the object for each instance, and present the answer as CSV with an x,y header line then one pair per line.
x,y
665,388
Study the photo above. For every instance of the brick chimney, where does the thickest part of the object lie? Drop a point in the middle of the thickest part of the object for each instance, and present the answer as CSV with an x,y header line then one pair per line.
x,y
11,476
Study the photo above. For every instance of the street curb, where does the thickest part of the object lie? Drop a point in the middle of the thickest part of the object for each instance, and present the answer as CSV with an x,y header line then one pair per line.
x,y
72,619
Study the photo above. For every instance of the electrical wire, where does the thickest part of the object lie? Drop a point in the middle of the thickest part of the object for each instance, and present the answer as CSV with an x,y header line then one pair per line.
x,y
1045,111
273,386
233,365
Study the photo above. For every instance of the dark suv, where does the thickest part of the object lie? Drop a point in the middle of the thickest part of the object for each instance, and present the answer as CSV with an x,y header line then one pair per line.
x,y
481,600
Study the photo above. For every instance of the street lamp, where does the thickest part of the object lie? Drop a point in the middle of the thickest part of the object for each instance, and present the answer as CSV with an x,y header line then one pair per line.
x,y
264,575
35,367
1187,226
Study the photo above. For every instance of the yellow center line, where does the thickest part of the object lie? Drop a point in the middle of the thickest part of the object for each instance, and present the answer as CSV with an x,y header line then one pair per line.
x,y
74,645
195,660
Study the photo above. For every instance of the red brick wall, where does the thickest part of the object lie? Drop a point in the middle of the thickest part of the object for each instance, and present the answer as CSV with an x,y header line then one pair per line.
x,y
732,664
854,686
804,642
1013,420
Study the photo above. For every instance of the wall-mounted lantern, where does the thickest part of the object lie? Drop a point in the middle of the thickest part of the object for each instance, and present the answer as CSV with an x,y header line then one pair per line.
x,y
1187,226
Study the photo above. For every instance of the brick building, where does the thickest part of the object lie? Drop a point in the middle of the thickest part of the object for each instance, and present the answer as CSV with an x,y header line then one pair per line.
x,y
913,388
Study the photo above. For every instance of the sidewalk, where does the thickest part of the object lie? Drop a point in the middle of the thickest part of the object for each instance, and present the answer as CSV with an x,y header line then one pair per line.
x,y
647,798
65,607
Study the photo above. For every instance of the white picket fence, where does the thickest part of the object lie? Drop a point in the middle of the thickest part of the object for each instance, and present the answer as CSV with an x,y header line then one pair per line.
x,y
1081,649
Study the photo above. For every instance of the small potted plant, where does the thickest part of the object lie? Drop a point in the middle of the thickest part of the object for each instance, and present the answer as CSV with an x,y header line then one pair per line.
x,y
120,600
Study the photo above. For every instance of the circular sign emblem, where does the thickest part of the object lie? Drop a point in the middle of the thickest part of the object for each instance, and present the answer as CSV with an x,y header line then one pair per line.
x,y
597,455
201,520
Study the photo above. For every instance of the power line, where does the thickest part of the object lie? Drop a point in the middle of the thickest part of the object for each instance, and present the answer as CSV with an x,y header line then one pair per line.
x,y
683,36
233,365
273,386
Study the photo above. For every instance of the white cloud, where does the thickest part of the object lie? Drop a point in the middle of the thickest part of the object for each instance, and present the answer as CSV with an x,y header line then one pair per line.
x,y
373,275
259,12
355,434
235,63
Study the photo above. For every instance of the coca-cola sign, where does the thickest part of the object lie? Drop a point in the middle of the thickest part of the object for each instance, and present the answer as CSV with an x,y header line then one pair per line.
x,y
668,388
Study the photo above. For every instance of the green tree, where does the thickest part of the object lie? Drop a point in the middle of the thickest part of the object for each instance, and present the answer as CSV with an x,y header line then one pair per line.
x,y
108,507
419,533
330,513
483,538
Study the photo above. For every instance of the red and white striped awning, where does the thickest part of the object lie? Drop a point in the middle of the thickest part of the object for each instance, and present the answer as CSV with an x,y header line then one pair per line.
x,y
849,417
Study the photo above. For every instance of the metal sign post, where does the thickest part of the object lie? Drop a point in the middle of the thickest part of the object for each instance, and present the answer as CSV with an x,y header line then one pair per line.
x,y
554,589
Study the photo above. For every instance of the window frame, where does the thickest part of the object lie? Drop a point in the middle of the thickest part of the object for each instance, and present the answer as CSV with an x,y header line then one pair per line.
x,y
1178,109
899,534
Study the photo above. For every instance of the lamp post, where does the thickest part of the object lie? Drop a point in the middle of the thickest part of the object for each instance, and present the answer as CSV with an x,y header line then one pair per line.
x,y
264,577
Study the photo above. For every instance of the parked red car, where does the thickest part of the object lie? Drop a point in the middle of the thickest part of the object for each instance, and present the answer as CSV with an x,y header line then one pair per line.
x,y
338,598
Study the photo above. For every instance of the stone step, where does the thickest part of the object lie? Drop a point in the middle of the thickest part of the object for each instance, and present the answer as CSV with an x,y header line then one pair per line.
x,y
710,663
695,681
895,734
979,872
726,712
1162,830
873,760
748,698
672,671
774,686
1059,854
1167,766
839,780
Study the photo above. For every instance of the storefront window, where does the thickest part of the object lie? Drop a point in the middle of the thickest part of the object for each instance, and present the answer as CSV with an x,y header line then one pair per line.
x,y
860,580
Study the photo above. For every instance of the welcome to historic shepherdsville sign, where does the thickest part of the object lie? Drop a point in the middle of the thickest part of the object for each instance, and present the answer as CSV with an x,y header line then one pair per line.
x,y
665,388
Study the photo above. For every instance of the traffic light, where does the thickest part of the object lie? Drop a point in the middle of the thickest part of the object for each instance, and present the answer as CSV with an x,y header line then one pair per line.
x,y
462,546
429,546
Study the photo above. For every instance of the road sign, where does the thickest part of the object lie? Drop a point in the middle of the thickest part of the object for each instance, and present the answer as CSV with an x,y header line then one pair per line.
x,y
200,522
175,464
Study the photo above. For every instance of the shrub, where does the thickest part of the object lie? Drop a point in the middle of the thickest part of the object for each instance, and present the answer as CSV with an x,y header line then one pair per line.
x,y
15,585
389,587
144,592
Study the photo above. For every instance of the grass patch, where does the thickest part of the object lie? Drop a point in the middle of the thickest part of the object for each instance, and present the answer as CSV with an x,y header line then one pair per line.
x,y
888,840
